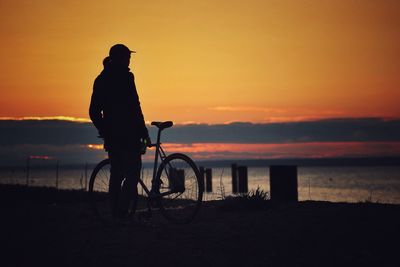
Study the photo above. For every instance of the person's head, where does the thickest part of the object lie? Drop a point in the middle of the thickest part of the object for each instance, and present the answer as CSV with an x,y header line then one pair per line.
x,y
106,62
120,55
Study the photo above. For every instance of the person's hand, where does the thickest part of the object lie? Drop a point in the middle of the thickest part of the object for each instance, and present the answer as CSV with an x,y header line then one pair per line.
x,y
101,134
148,141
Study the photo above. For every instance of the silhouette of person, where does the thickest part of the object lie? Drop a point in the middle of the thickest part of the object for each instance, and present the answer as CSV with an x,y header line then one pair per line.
x,y
116,112
106,62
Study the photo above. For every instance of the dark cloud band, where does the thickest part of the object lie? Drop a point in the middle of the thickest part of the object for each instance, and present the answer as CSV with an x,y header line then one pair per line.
x,y
53,132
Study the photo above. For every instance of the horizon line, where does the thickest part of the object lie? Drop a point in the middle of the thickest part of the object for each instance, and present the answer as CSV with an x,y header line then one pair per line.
x,y
87,120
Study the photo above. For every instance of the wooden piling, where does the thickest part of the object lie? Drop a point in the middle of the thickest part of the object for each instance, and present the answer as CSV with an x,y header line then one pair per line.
x,y
180,181
242,179
283,183
176,180
201,171
234,178
208,180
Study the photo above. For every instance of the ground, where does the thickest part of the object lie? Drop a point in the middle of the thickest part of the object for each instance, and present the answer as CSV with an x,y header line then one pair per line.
x,y
45,227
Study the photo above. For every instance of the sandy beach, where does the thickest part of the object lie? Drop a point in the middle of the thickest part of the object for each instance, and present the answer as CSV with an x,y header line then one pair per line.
x,y
45,227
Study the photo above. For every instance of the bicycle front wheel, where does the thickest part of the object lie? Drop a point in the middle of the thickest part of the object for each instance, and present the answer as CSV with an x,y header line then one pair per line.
x,y
98,191
181,188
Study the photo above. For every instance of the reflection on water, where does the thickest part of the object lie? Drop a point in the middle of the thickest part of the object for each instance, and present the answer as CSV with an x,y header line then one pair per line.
x,y
337,184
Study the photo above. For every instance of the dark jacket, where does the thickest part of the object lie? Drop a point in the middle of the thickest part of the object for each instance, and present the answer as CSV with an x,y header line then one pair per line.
x,y
115,109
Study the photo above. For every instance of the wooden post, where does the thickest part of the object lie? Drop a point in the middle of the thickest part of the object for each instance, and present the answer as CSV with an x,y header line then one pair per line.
x,y
208,180
176,180
283,183
242,179
234,178
180,181
201,171
57,166
27,170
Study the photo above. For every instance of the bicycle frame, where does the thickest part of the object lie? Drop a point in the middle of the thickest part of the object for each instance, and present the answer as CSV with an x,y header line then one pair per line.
x,y
176,187
154,184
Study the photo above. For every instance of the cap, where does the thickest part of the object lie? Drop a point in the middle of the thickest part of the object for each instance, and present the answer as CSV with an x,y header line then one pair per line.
x,y
119,50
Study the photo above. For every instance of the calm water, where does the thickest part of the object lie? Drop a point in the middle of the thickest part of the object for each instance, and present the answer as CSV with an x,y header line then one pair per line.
x,y
337,184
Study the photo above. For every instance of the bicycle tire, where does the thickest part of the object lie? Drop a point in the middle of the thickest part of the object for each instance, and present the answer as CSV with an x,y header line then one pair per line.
x,y
180,207
98,192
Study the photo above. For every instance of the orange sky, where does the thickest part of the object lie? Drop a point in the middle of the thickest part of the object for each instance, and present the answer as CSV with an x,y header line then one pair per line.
x,y
206,61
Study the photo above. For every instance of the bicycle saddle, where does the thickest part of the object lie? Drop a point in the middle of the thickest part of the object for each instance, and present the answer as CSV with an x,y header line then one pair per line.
x,y
162,125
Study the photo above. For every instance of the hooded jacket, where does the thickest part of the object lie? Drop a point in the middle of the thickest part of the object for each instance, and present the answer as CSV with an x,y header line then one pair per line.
x,y
115,109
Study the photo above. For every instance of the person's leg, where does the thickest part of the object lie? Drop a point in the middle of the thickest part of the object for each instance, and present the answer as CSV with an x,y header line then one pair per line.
x,y
116,177
129,191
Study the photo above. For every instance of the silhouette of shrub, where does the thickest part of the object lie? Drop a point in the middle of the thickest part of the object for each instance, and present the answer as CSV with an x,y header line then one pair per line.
x,y
253,200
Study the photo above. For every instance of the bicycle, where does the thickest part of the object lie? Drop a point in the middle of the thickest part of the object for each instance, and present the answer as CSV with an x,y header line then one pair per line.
x,y
176,187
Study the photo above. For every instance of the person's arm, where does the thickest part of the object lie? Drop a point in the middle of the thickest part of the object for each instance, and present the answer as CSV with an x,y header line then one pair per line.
x,y
144,131
96,107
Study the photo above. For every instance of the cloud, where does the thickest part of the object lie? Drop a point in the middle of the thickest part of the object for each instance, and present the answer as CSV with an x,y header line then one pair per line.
x,y
249,108
48,154
330,130
291,114
56,132
291,150
60,118
46,132
76,142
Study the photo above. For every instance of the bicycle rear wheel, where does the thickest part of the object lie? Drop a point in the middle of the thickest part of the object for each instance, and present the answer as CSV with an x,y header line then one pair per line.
x,y
98,192
181,187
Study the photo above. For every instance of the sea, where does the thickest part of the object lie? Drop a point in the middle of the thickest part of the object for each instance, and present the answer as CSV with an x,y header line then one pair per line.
x,y
376,184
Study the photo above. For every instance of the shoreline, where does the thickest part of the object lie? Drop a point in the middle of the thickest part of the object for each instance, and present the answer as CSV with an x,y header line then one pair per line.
x,y
56,227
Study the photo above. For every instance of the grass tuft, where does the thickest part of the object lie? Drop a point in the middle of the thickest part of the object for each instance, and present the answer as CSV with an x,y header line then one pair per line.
x,y
253,200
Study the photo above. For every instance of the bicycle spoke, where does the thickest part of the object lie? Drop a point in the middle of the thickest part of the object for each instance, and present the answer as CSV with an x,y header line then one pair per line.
x,y
98,191
180,207
104,183
179,185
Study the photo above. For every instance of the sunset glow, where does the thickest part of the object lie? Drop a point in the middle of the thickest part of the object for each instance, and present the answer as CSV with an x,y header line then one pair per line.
x,y
205,61
40,157
239,79
276,151
61,118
